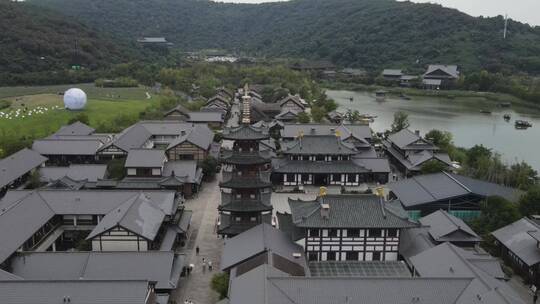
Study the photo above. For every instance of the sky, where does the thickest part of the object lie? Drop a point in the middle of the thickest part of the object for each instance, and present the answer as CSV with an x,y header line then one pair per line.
x,y
527,11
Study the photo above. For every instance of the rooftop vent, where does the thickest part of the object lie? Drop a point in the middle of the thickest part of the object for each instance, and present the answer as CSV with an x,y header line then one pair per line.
x,y
325,211
417,132
313,130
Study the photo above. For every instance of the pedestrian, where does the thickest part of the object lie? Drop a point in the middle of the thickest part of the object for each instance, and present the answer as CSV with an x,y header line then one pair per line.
x,y
197,250
204,260
535,298
209,265
204,266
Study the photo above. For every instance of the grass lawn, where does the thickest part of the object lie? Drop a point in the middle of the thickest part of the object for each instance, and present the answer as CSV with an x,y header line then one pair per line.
x,y
93,92
40,125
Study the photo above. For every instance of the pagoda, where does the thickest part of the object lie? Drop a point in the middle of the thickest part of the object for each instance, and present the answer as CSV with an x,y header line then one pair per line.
x,y
245,188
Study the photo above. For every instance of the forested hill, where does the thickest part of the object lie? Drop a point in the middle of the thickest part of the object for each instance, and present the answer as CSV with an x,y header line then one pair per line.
x,y
363,33
33,39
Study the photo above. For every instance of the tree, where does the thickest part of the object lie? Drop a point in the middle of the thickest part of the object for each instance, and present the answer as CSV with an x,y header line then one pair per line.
x,y
317,113
220,284
521,175
303,117
441,139
529,203
401,121
81,117
352,116
209,167
476,153
497,212
34,181
115,168
433,166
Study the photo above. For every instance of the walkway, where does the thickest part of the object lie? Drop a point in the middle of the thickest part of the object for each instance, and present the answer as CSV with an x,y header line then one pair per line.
x,y
196,287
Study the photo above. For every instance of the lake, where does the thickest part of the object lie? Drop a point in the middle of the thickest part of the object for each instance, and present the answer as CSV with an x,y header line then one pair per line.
x,y
460,117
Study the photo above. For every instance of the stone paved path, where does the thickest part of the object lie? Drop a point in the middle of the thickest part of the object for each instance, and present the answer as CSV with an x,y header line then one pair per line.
x,y
196,287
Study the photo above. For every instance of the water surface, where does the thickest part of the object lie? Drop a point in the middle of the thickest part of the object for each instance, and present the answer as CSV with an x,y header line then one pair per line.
x,y
460,117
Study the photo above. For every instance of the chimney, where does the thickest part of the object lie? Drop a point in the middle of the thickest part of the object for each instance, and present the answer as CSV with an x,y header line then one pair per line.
x,y
183,132
312,130
325,211
417,132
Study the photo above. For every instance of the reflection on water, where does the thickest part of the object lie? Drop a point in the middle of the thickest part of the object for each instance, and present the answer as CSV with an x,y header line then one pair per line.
x,y
463,119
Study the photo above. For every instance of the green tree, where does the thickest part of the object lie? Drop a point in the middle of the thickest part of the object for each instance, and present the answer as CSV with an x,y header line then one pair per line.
x,y
34,181
209,167
401,121
220,284
303,117
476,153
521,175
442,139
317,113
115,168
81,117
433,166
529,203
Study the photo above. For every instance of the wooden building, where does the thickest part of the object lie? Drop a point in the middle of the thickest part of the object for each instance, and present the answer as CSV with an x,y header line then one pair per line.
x,y
346,227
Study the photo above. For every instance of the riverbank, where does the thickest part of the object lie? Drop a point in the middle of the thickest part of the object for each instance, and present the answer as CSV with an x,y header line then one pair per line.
x,y
458,95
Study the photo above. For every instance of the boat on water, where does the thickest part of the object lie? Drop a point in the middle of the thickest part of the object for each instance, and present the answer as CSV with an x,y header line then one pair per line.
x,y
404,97
522,124
505,104
507,117
380,95
485,111
351,99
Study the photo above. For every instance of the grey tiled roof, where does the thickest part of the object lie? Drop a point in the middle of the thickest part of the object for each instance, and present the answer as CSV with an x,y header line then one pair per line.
x,y
444,227
449,261
245,132
292,98
76,128
392,72
424,189
145,158
518,239
337,166
358,131
405,139
318,145
451,70
185,169
78,291
416,159
18,164
241,158
138,215
205,117
155,266
52,146
75,172
199,135
266,284
179,108
348,211
262,238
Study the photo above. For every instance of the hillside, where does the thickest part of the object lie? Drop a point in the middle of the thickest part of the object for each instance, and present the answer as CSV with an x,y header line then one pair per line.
x,y
363,33
34,39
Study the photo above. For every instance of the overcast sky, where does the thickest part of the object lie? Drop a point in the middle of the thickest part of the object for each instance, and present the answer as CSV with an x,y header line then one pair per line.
x,y
527,11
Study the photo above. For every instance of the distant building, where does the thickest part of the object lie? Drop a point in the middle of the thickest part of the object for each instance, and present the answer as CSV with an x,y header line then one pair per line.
x,y
408,151
392,74
446,74
313,66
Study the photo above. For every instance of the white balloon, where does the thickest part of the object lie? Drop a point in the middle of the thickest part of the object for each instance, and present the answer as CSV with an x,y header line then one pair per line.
x,y
74,99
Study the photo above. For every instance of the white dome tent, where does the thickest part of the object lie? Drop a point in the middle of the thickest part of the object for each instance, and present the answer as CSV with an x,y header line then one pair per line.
x,y
74,99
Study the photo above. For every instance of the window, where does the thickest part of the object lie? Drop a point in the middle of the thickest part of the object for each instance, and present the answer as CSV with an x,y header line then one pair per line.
x,y
319,157
312,256
332,232
392,232
253,219
331,256
352,256
353,232
252,196
131,171
313,232
186,157
375,232
376,256
238,219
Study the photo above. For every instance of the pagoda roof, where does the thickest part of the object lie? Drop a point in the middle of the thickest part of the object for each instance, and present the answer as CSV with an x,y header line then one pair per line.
x,y
232,180
230,203
246,132
246,158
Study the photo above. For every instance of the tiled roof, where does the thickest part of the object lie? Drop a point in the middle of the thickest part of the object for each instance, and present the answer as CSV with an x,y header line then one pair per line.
x,y
76,128
348,211
18,164
358,131
318,145
145,158
245,132
444,227
518,239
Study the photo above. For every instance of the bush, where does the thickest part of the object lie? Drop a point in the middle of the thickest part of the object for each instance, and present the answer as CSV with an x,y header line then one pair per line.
x,y
115,168
81,117
220,284
209,167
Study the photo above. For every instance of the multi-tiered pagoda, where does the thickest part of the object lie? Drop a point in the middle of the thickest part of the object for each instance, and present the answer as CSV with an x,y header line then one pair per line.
x,y
246,186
